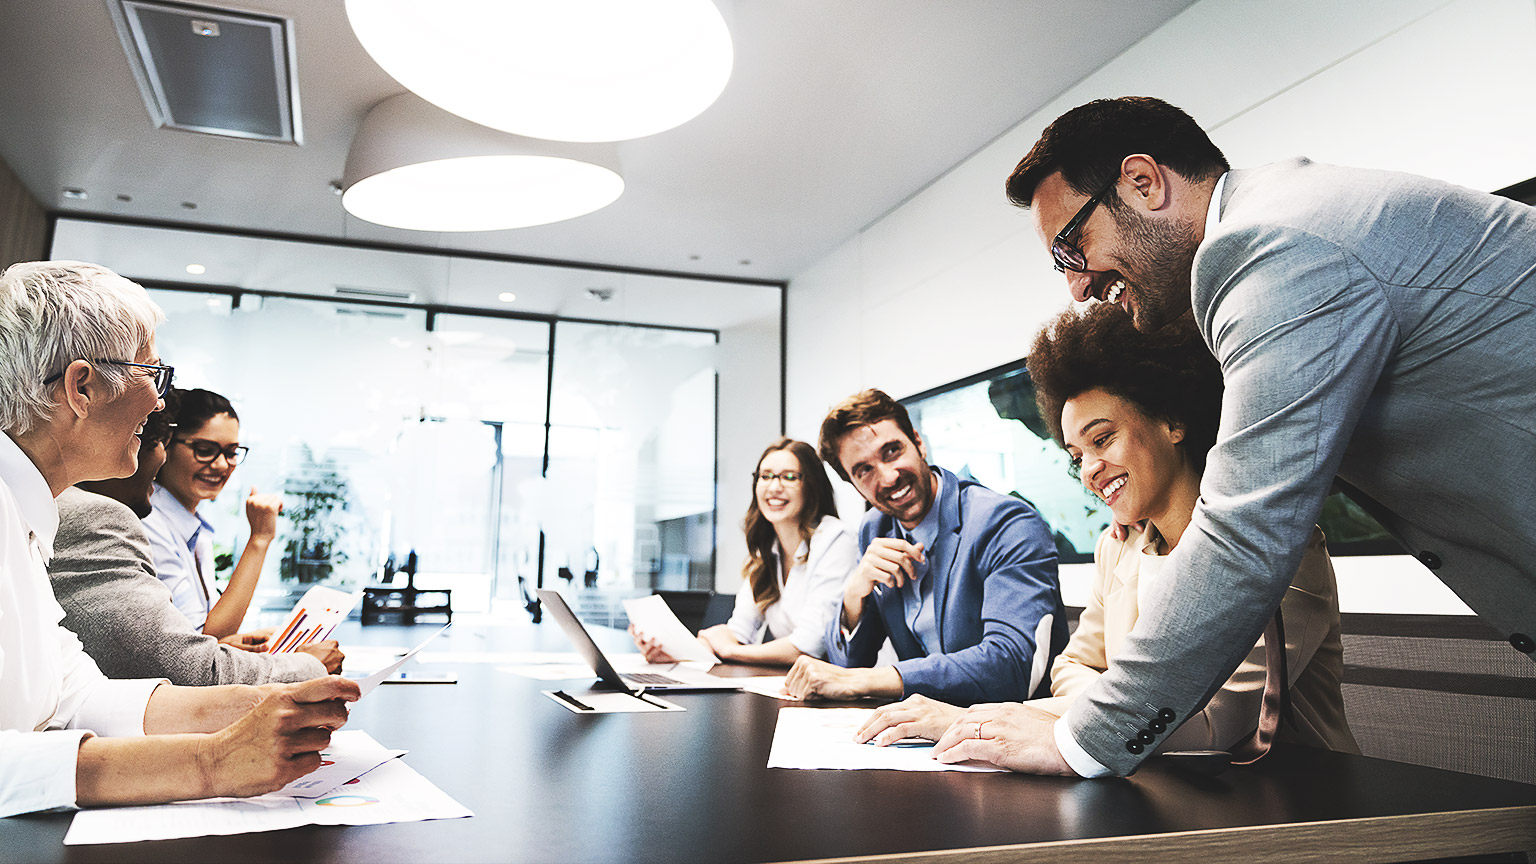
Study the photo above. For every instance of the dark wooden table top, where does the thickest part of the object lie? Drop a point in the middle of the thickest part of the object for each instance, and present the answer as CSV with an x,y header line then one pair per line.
x,y
549,785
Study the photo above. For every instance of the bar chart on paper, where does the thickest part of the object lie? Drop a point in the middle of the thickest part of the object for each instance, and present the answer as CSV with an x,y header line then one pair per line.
x,y
317,614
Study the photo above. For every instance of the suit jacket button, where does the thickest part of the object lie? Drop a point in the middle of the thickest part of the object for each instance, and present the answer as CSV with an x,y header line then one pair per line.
x,y
1166,715
1134,746
1158,726
1522,643
1145,737
1430,560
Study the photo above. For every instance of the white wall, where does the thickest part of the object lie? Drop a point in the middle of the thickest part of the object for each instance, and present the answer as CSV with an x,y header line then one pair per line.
x,y
749,421
954,281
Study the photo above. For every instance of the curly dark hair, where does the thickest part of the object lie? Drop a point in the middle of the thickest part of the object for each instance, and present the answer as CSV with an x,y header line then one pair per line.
x,y
1168,374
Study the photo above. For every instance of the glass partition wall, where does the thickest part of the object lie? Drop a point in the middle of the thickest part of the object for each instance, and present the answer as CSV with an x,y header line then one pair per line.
x,y
492,444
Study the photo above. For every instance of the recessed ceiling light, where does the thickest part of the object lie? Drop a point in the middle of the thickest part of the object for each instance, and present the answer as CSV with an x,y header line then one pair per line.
x,y
572,70
196,269
125,198
506,297
188,205
74,194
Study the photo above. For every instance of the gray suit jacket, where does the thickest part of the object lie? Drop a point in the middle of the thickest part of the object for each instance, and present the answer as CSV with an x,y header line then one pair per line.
x,y
1377,326
104,578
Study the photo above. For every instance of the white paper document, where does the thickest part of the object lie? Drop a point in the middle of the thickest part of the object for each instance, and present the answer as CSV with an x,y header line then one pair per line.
x,y
391,792
318,613
366,685
767,685
352,754
653,617
823,738
611,702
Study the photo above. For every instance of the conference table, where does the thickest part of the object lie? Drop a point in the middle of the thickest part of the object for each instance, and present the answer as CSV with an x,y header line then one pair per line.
x,y
548,785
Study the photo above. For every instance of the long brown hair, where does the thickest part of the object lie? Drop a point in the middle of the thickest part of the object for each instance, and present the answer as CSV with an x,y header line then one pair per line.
x,y
816,502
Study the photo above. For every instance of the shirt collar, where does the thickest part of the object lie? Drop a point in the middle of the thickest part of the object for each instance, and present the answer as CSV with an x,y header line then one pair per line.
x,y
33,497
1213,212
183,520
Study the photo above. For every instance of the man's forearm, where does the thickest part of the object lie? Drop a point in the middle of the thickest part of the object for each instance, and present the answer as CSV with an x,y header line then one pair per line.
x,y
853,612
173,709
150,770
883,682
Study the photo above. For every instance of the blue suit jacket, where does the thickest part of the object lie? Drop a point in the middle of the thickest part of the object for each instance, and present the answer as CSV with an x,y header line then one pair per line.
x,y
997,596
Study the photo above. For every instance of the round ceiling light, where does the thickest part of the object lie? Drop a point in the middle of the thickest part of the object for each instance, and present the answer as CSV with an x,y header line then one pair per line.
x,y
415,166
568,70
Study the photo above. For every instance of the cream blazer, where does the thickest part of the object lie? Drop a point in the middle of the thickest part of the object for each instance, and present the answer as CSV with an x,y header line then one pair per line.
x,y
1314,654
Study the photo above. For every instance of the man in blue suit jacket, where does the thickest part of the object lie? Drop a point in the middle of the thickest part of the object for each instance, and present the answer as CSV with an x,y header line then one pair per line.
x,y
961,579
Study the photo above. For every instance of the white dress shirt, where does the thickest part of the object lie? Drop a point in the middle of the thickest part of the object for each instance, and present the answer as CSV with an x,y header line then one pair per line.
x,y
181,542
808,597
47,683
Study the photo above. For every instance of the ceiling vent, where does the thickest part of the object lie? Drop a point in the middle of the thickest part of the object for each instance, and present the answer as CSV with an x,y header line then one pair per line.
x,y
355,293
210,70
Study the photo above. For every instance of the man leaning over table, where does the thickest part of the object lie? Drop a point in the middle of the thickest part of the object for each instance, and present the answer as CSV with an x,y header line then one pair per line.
x,y
1370,325
961,579
79,375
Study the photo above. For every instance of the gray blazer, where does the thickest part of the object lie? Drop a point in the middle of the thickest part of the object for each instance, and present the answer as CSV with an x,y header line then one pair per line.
x,y
104,578
1377,326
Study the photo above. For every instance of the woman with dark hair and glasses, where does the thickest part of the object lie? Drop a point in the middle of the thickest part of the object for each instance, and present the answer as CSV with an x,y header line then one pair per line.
x,y
199,460
785,600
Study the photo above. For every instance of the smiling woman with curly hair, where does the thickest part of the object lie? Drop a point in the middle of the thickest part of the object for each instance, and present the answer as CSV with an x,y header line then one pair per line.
x,y
1138,413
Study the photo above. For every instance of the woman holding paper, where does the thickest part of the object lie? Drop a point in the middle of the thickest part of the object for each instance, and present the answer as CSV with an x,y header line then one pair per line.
x,y
200,458
785,599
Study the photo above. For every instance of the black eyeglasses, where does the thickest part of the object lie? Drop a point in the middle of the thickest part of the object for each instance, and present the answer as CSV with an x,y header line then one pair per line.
x,y
788,477
163,374
1067,254
206,451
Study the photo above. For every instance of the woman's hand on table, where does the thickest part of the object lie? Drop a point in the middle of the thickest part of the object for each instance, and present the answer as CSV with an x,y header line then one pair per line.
x,y
916,716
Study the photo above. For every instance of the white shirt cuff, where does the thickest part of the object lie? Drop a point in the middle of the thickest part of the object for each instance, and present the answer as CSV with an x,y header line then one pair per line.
x,y
115,708
1076,757
39,770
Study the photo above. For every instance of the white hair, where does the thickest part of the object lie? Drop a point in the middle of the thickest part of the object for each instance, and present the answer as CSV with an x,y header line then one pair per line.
x,y
53,313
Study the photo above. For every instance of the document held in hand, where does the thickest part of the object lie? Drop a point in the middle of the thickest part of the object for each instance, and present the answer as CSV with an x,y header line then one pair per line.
x,y
653,617
318,613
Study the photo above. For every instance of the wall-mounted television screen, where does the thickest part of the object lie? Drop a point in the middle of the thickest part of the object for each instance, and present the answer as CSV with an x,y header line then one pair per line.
x,y
986,427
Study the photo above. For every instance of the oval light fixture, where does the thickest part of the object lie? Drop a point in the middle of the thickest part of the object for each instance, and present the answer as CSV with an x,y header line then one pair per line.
x,y
565,70
414,166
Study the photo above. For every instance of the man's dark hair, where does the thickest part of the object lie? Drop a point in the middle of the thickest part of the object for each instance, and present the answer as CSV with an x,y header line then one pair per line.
x,y
864,408
1088,143
1168,374
196,407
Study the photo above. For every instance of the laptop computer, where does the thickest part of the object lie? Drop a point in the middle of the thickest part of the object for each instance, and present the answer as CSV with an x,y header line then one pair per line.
x,y
652,676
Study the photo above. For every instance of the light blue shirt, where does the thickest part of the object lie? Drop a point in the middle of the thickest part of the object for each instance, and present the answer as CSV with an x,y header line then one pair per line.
x,y
182,542
917,595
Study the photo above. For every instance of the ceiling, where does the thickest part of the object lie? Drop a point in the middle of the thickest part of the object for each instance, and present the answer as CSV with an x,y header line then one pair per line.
x,y
836,112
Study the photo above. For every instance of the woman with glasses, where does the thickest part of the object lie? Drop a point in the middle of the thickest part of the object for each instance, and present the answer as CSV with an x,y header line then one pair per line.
x,y
1138,412
199,460
785,600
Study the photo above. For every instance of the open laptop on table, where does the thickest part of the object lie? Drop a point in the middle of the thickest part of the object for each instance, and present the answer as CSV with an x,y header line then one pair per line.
x,y
657,676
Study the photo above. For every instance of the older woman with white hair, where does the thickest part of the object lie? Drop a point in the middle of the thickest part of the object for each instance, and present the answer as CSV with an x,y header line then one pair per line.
x,y
79,375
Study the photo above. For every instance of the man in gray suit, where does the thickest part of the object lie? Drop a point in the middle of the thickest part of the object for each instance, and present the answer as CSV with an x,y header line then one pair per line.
x,y
1375,326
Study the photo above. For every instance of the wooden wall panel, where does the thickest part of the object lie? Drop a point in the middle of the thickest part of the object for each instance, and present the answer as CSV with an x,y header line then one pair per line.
x,y
23,225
